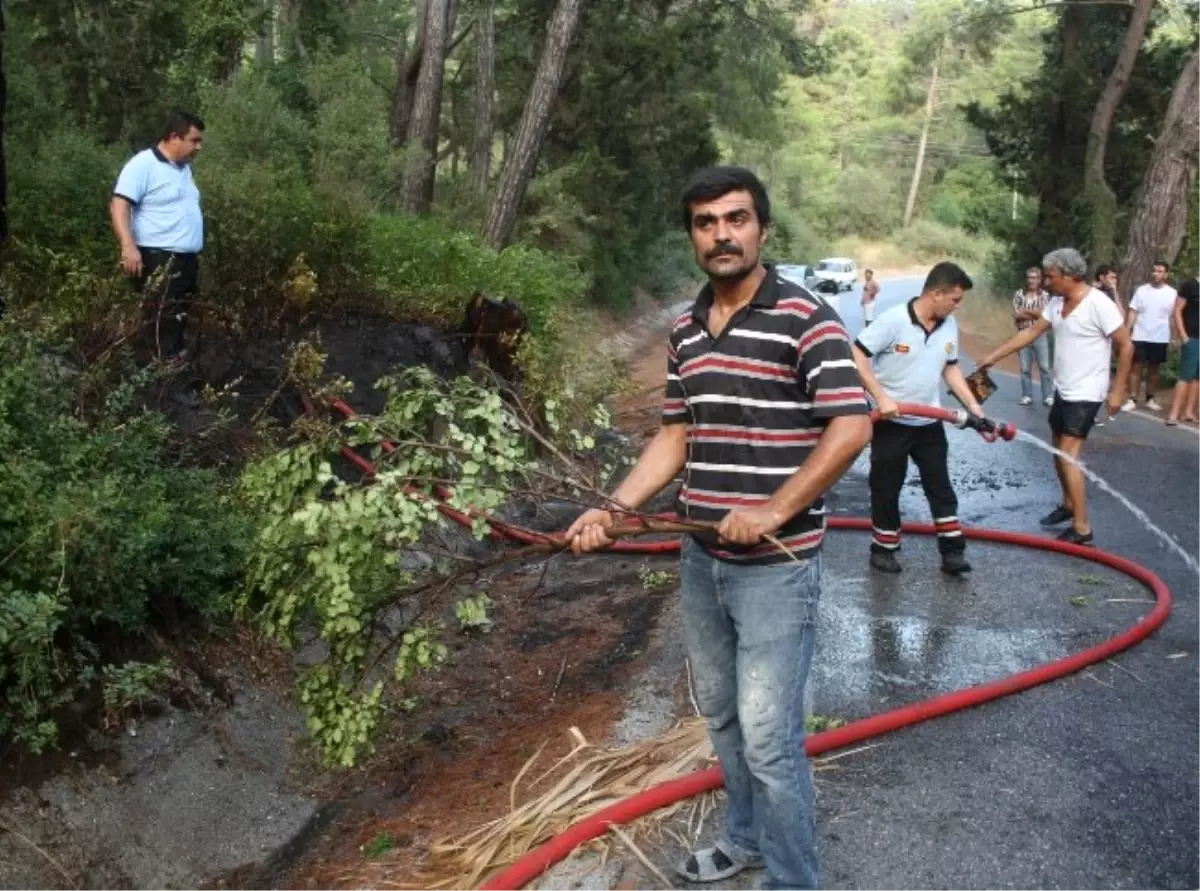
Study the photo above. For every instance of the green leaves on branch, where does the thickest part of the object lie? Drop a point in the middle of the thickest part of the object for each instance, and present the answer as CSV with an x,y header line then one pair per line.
x,y
335,557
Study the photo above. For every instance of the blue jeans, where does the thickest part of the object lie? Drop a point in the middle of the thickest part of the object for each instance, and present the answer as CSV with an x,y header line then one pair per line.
x,y
1039,350
750,636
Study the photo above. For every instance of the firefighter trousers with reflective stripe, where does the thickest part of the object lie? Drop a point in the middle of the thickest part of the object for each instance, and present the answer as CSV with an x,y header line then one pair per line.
x,y
891,447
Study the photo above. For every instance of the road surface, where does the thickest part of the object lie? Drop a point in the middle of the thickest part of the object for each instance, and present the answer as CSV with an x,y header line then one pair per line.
x,y
1090,781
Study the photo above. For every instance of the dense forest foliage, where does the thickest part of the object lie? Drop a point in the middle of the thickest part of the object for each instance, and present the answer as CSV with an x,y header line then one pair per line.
x,y
394,157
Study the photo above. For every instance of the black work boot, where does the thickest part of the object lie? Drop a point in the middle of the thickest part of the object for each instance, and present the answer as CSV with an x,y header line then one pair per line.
x,y
955,563
885,561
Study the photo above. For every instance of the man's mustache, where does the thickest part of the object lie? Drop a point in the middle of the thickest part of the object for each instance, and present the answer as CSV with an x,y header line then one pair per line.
x,y
723,249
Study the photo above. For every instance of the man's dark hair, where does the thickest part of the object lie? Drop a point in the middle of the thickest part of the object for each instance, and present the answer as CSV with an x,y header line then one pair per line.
x,y
1190,289
1163,263
1104,269
947,275
179,123
711,183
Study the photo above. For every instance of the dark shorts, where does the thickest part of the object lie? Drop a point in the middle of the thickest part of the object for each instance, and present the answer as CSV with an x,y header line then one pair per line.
x,y
1072,418
1189,360
1149,353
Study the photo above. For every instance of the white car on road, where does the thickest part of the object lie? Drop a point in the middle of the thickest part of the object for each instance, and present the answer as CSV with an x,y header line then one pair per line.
x,y
842,270
803,276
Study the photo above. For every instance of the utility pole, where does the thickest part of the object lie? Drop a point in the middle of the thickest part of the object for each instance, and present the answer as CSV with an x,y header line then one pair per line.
x,y
930,103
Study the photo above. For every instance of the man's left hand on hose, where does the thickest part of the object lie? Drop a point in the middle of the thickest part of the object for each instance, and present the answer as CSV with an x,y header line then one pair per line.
x,y
748,525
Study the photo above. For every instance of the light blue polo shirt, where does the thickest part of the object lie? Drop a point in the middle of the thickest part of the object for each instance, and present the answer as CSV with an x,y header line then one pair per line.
x,y
907,360
166,203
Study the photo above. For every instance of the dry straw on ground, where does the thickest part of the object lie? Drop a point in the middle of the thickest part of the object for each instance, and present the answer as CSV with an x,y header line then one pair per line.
x,y
582,782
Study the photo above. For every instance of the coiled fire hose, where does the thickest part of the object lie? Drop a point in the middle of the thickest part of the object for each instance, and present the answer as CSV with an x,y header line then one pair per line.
x,y
531,865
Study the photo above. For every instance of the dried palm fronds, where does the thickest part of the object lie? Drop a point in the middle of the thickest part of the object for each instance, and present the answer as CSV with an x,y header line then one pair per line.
x,y
577,785
582,782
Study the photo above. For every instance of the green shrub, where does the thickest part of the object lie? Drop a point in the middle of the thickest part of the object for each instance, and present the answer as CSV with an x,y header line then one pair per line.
x,y
795,240
931,240
59,188
671,265
422,265
99,531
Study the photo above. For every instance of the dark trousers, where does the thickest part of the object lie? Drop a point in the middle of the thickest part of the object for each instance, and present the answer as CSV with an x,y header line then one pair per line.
x,y
167,284
891,447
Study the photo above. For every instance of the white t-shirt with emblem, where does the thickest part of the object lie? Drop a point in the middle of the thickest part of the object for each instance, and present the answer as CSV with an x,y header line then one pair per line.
x,y
1083,346
1153,307
907,360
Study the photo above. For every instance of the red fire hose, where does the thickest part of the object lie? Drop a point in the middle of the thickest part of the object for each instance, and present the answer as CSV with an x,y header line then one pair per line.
x,y
533,864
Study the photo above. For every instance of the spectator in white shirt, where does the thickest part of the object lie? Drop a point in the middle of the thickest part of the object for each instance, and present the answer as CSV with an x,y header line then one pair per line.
x,y
1086,327
1149,321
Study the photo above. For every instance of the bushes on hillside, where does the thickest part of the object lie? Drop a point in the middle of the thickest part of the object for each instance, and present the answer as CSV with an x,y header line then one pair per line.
x,y
929,240
100,532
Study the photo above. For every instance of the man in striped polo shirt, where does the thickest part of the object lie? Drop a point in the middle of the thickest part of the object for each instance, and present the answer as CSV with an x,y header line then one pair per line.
x,y
1028,305
764,412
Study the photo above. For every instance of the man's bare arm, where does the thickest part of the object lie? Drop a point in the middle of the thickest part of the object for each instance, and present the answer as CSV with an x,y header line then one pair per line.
x,y
865,371
659,463
843,439
840,443
1017,342
953,376
120,212
1122,340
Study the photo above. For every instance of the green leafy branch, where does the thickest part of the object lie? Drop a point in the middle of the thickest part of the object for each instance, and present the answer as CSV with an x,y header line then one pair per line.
x,y
330,553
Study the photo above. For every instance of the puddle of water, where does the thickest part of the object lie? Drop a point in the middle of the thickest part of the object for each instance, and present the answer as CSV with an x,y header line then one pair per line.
x,y
1166,539
863,653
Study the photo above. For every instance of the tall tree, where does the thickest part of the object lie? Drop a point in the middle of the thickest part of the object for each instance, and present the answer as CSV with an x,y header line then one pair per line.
x,y
520,164
264,43
485,87
1058,180
408,69
1160,219
1100,198
421,169
3,170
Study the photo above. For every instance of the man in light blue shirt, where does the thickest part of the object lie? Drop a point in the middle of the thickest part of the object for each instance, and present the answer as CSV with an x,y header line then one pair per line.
x,y
906,356
155,211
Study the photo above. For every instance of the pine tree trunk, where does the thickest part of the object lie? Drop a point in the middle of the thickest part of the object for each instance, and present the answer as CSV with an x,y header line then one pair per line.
x,y
288,27
527,144
408,68
3,168
1100,199
1160,217
485,87
264,45
421,169
930,102
1059,184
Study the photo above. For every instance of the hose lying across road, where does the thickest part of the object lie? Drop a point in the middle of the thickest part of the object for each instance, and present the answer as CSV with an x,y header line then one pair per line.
x,y
533,864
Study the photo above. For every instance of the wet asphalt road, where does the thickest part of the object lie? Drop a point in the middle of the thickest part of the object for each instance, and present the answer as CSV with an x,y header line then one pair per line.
x,y
1086,782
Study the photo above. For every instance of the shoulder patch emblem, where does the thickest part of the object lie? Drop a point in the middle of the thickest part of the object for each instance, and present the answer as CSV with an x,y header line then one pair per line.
x,y
901,348
949,347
